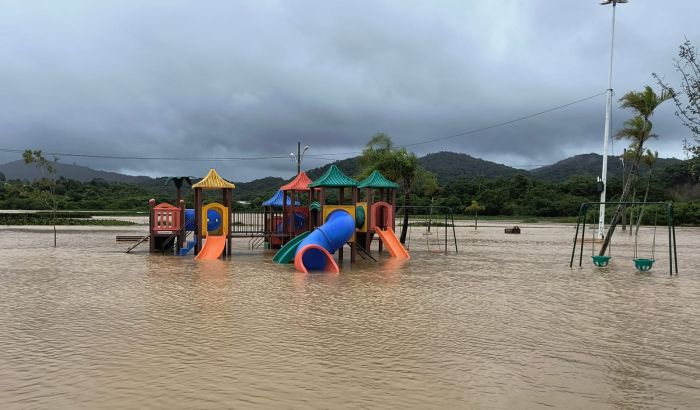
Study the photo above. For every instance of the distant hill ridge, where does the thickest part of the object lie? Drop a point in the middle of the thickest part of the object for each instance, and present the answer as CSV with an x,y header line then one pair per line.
x,y
27,172
589,164
447,166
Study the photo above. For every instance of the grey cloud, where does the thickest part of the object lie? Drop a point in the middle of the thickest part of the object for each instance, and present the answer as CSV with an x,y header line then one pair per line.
x,y
245,79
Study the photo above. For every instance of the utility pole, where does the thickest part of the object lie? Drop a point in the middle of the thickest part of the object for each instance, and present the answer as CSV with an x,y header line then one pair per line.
x,y
608,125
299,156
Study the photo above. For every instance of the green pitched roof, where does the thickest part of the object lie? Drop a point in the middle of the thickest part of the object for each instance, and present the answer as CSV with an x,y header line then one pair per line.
x,y
377,180
333,178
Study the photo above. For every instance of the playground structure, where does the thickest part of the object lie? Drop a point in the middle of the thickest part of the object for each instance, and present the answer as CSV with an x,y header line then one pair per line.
x,y
642,264
307,221
348,221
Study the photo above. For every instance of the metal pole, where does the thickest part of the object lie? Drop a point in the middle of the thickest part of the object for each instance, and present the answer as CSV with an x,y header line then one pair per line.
x,y
675,252
298,157
608,129
578,222
669,211
583,237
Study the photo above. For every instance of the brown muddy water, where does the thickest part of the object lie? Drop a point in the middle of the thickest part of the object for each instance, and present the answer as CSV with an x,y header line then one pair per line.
x,y
504,323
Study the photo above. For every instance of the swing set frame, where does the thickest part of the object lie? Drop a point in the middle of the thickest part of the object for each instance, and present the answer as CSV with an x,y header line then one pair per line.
x,y
582,217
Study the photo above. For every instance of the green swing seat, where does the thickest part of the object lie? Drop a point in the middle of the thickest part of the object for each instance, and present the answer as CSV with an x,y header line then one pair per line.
x,y
600,261
643,265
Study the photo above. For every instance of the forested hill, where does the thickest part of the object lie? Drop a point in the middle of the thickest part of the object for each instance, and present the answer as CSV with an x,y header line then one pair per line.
x,y
589,164
20,170
449,166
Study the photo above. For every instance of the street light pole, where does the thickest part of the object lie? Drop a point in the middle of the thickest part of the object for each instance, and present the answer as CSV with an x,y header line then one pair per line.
x,y
299,155
608,125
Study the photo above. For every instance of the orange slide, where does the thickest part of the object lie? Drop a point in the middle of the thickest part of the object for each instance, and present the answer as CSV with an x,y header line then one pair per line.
x,y
392,243
213,247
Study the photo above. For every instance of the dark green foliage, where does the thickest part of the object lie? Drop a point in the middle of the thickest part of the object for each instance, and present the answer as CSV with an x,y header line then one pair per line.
x,y
520,193
74,195
349,166
259,188
450,166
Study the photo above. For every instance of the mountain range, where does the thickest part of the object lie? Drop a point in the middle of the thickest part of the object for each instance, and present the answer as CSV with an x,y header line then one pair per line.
x,y
447,166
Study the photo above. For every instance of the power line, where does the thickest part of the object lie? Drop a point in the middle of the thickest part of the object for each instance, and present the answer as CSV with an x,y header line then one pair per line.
x,y
124,157
500,124
322,156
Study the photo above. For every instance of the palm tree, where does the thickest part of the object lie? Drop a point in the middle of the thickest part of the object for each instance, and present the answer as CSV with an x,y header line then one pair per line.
x,y
475,207
638,129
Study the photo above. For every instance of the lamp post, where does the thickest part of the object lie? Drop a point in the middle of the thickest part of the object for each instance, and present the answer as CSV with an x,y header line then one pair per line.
x,y
299,156
608,125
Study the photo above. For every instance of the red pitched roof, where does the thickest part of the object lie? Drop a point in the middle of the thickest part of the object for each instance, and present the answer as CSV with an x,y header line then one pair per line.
x,y
300,183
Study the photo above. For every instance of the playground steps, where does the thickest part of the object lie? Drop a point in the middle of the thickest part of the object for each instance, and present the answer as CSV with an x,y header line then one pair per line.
x,y
187,248
364,254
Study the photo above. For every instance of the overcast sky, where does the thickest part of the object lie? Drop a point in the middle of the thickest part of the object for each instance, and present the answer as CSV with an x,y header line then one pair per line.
x,y
250,78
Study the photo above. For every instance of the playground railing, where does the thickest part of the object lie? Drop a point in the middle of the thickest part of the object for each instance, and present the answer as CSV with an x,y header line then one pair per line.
x,y
166,217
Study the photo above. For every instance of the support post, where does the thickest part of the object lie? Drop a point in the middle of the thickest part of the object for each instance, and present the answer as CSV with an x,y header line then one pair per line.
x,y
152,241
353,244
183,231
578,222
583,237
285,224
229,204
368,219
198,231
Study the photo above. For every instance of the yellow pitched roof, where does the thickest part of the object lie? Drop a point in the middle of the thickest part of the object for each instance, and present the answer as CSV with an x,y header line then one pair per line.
x,y
213,181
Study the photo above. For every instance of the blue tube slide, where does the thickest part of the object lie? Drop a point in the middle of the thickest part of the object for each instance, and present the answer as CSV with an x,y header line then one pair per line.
x,y
332,235
213,219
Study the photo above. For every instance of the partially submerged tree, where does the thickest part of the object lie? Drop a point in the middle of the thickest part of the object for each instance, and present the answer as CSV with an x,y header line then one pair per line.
x,y
48,196
398,165
637,129
475,208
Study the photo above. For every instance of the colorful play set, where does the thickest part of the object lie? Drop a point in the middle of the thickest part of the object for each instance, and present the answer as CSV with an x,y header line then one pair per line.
x,y
297,220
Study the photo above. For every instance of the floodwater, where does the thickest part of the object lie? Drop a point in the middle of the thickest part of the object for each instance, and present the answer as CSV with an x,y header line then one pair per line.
x,y
504,323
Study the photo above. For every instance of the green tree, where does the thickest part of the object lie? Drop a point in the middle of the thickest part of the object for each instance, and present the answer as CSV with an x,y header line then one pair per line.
x,y
687,100
48,196
475,207
2,177
398,165
638,129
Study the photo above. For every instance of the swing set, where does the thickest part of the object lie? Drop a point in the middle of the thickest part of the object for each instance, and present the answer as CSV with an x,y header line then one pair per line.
x,y
642,264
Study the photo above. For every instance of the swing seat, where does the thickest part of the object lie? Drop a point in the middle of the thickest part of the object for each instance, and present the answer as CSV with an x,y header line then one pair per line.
x,y
643,265
601,261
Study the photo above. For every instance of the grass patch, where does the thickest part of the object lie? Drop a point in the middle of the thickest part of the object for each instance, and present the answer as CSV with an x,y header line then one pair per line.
x,y
41,218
